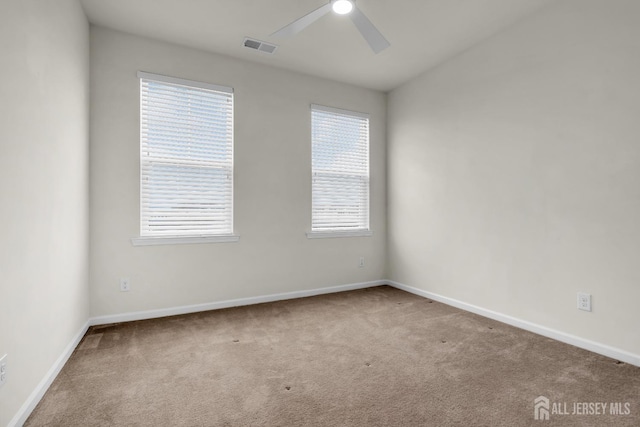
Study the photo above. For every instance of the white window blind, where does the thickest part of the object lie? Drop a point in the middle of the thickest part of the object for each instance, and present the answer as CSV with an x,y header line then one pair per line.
x,y
340,167
186,158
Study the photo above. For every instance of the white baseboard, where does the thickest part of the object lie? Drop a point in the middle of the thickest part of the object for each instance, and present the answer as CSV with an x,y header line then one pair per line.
x,y
605,350
173,311
34,398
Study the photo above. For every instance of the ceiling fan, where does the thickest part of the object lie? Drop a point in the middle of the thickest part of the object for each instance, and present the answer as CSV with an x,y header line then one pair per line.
x,y
376,40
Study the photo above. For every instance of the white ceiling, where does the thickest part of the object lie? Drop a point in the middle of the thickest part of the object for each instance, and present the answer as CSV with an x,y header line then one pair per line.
x,y
422,33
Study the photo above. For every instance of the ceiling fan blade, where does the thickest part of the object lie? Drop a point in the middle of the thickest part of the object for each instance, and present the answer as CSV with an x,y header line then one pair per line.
x,y
302,23
370,33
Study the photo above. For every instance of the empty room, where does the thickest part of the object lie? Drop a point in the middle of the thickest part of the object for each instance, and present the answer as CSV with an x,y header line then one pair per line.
x,y
319,213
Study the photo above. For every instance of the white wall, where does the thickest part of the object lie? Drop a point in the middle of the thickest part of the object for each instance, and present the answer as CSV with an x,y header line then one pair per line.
x,y
272,184
44,117
514,172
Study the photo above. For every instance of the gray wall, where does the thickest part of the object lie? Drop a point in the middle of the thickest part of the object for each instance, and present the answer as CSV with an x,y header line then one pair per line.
x,y
44,117
514,171
272,184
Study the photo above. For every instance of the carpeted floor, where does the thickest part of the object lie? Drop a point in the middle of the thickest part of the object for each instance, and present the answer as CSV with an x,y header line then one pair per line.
x,y
374,357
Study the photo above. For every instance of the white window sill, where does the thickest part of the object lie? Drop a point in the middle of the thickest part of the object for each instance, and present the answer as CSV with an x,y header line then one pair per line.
x,y
333,234
182,240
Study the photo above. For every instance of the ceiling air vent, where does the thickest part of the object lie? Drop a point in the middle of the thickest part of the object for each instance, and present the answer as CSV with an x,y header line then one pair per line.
x,y
259,45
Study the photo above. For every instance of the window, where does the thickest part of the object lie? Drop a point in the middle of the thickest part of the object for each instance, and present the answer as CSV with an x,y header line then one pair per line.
x,y
340,168
186,159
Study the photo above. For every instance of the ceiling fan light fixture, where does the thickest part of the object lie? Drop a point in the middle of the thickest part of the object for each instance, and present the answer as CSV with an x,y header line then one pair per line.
x,y
342,7
374,38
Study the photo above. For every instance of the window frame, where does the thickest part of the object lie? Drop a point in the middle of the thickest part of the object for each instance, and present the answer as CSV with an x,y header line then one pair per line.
x,y
145,239
333,233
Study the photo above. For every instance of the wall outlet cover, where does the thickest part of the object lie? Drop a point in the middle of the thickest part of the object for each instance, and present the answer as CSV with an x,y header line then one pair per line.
x,y
584,301
125,285
3,370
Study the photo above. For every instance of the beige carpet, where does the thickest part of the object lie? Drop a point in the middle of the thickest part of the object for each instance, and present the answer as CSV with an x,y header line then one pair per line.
x,y
374,357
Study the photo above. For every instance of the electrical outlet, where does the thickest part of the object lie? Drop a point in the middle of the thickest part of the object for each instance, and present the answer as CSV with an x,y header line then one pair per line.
x,y
125,285
361,262
584,301
3,370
